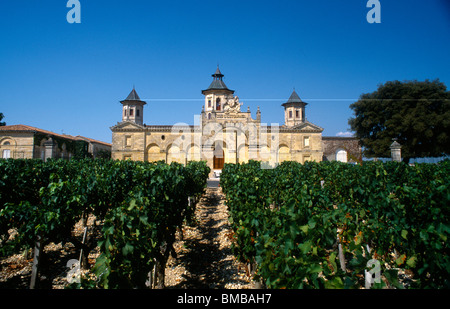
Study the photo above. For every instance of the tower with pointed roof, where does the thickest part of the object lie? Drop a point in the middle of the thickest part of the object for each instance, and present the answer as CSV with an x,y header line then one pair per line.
x,y
294,110
133,108
216,95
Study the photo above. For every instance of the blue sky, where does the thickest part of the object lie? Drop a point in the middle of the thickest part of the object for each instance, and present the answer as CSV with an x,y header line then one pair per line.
x,y
70,77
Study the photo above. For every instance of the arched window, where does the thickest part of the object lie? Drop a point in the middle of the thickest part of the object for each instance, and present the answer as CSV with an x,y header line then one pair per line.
x,y
218,104
341,155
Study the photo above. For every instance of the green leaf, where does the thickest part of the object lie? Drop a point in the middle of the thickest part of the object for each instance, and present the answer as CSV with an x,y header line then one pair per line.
x,y
311,224
315,268
332,260
404,234
304,228
305,247
400,260
143,219
132,204
392,276
335,283
127,249
411,262
288,245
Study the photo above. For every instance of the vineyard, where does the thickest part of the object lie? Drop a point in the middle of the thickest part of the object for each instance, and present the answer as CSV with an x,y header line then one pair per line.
x,y
336,225
312,225
140,206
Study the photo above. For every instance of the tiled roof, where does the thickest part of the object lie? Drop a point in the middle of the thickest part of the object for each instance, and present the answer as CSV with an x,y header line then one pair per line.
x,y
25,128
133,95
217,83
294,98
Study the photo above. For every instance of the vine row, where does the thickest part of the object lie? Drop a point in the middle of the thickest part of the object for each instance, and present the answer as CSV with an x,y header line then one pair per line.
x,y
139,206
322,225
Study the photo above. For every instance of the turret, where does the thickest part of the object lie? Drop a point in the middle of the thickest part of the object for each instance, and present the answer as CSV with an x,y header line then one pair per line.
x,y
133,108
216,95
294,110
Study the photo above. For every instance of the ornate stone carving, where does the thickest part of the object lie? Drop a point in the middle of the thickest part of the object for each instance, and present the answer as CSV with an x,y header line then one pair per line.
x,y
232,105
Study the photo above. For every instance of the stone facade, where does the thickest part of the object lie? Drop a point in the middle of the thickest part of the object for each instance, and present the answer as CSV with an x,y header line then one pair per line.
x,y
26,142
222,133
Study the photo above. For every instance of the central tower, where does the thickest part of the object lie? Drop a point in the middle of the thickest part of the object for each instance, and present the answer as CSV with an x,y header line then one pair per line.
x,y
216,95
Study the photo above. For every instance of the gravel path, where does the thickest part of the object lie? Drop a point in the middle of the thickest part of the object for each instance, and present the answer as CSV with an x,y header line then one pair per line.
x,y
204,257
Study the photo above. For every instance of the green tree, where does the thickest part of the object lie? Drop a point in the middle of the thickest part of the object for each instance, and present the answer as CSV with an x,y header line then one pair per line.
x,y
1,117
416,113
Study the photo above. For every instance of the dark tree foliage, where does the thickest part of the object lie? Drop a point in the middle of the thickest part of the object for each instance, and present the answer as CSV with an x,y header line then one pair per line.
x,y
1,117
416,113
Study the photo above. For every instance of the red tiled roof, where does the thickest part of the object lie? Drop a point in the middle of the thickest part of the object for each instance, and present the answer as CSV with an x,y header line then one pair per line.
x,y
25,128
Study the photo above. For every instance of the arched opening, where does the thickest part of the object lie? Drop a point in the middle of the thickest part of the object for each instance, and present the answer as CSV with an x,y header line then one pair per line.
x,y
193,153
341,155
219,156
284,153
242,153
154,153
174,154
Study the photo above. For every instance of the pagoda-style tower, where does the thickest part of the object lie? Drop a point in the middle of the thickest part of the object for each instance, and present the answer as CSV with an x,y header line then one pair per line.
x,y
294,110
133,108
217,94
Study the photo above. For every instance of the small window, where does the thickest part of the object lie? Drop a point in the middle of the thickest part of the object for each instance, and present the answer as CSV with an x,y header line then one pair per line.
x,y
306,141
297,114
131,112
128,141
6,154
290,114
6,143
137,112
209,103
124,112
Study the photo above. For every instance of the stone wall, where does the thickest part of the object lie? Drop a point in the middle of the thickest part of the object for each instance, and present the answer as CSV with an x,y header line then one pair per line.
x,y
332,144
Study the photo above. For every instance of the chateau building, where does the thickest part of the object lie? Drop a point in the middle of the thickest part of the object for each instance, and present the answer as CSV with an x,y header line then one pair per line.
x,y
27,142
222,133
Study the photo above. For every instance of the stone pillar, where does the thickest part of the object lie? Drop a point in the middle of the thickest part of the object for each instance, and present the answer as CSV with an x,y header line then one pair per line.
x,y
49,149
396,151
